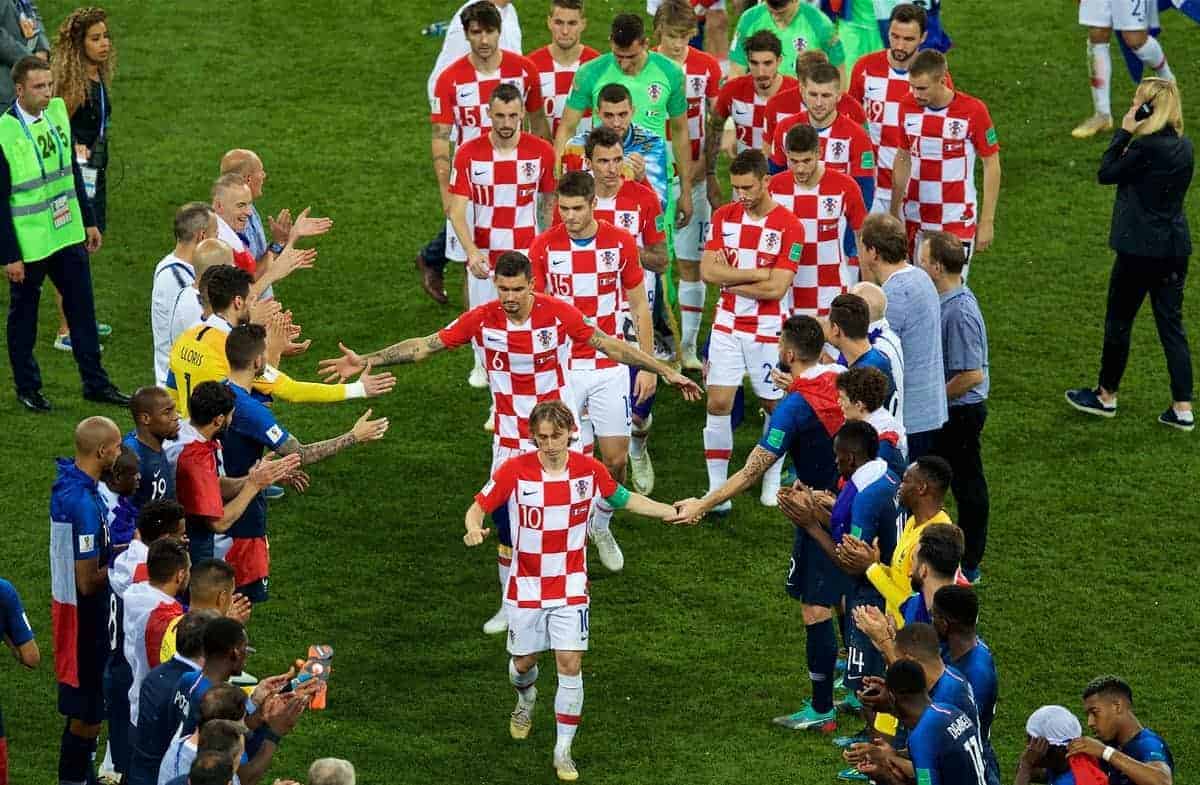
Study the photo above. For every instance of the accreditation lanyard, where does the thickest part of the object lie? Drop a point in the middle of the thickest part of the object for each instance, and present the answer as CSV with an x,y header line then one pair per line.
x,y
37,150
103,111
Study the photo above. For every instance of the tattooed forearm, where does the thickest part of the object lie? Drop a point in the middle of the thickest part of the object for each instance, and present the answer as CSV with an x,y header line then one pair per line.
x,y
712,140
311,453
627,354
411,351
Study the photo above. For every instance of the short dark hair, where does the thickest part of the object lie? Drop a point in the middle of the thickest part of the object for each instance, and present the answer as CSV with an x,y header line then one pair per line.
x,y
958,604
483,13
614,93
210,577
908,12
803,334
749,161
223,736
884,234
191,219
1110,686
166,557
860,437
211,768
27,65
626,30
245,344
802,138
906,678
577,184
206,277
936,471
208,401
864,384
143,399
513,263
506,93
225,282
919,641
851,315
947,250
601,136
928,62
158,518
823,73
222,636
222,701
570,5
763,41
940,547
189,633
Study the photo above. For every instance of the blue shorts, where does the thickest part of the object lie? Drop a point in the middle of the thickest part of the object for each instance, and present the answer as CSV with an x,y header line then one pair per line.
x,y
862,658
813,578
85,703
255,591
640,409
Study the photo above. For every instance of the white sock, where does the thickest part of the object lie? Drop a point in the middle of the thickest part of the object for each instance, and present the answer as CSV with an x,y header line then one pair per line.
x,y
772,477
1152,54
568,705
1183,414
637,439
718,445
522,681
602,517
1100,66
478,355
691,310
107,764
587,436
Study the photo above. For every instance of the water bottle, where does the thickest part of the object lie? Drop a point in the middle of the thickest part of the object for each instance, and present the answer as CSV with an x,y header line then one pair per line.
x,y
436,29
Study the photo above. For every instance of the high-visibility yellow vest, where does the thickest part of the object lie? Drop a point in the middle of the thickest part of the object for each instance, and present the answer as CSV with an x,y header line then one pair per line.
x,y
44,206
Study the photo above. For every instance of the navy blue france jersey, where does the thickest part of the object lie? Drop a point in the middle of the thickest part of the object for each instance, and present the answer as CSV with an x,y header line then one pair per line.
x,y
1146,747
979,669
945,748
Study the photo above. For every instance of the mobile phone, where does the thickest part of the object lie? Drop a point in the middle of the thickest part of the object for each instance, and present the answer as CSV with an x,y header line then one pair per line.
x,y
1143,111
315,667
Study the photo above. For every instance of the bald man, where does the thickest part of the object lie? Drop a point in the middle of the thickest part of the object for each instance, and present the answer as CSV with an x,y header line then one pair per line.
x,y
194,223
884,338
189,306
284,231
79,551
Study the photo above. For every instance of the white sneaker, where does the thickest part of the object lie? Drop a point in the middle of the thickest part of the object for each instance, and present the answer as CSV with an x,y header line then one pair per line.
x,y
489,424
641,473
769,494
606,545
564,767
522,717
689,360
497,624
478,378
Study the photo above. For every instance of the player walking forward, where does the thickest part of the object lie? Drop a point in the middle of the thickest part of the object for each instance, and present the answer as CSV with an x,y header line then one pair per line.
x,y
549,495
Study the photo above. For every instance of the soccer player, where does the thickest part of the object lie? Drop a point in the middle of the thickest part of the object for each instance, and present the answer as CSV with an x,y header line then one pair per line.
x,y
194,222
199,354
661,98
798,25
828,204
753,247
1129,753
879,83
675,24
253,428
933,182
845,146
117,486
884,338
557,61
155,420
79,550
1049,730
955,614
788,102
745,98
862,393
1133,19
847,332
594,266
527,339
550,494
18,636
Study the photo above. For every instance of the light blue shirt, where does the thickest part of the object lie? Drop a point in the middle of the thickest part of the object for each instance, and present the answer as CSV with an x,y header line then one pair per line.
x,y
964,342
256,238
914,313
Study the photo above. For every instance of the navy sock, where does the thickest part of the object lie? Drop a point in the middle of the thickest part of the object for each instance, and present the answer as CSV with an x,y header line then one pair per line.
x,y
75,755
821,647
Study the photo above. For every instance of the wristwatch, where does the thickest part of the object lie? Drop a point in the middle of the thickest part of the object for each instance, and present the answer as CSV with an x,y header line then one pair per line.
x,y
275,248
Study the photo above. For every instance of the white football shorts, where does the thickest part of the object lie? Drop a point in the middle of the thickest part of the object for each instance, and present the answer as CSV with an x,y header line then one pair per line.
x,y
689,241
534,630
732,357
604,394
1119,14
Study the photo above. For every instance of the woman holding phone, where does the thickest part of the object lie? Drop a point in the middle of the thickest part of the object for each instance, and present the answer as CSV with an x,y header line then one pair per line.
x,y
1151,163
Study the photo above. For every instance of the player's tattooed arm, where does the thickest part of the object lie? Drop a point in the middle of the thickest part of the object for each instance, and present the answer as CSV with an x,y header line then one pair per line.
x,y
440,153
757,463
414,350
712,141
364,430
545,210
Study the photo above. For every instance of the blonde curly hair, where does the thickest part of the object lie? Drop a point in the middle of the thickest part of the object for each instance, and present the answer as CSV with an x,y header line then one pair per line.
x,y
68,63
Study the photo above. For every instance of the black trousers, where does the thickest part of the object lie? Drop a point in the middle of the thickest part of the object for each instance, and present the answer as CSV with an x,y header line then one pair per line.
x,y
434,253
71,273
958,442
1133,277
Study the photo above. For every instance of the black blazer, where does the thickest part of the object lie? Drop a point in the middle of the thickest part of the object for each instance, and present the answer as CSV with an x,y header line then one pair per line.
x,y
1152,174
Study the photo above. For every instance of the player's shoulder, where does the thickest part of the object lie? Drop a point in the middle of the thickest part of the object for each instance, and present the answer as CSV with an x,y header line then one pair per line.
x,y
728,212
782,183
459,70
835,180
739,86
8,594
788,83
634,190
579,464
514,61
587,54
783,97
541,58
753,16
874,63
666,65
478,148
596,66
783,218
699,61
966,102
531,143
846,125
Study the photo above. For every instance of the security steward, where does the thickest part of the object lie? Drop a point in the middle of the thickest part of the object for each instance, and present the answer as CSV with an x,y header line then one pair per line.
x,y
47,229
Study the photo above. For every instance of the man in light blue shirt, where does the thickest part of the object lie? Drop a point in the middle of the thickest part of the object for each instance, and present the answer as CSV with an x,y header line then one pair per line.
x,y
965,361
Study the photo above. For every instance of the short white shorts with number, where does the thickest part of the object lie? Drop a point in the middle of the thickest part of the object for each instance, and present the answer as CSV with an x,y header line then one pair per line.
x,y
480,291
454,249
604,394
534,630
1119,14
731,357
689,241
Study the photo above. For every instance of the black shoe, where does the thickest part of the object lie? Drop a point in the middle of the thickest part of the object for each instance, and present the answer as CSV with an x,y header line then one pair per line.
x,y
34,402
109,394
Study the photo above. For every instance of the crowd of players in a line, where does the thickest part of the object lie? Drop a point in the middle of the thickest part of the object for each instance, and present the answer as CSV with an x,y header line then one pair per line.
x,y
876,388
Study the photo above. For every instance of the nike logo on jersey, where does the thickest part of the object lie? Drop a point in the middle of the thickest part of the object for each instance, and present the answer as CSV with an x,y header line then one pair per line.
x,y
528,493
479,174
557,262
464,96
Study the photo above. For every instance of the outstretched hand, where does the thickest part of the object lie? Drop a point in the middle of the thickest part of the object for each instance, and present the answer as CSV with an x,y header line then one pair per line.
x,y
339,369
688,512
368,430
377,384
687,387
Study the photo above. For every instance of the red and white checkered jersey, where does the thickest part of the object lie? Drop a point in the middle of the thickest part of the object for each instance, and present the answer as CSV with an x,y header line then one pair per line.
x,y
739,99
880,90
786,103
825,211
845,145
775,241
461,95
702,82
526,363
635,209
555,80
549,515
593,276
943,144
502,188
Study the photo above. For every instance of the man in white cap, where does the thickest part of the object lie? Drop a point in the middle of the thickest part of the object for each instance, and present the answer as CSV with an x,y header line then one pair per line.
x,y
1050,729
